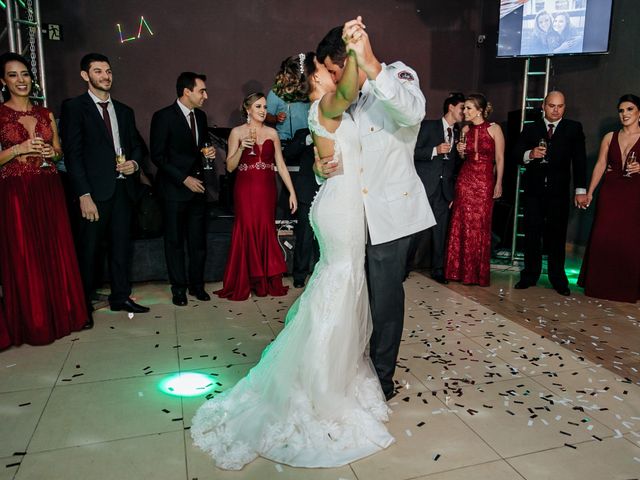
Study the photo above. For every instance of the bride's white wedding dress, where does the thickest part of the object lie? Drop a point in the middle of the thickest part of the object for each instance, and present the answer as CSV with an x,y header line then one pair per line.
x,y
314,399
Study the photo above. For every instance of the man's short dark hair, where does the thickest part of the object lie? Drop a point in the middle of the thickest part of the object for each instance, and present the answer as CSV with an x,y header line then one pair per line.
x,y
454,99
332,46
89,58
188,80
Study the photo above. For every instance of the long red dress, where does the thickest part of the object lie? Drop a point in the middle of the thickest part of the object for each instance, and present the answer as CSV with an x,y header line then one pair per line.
x,y
469,243
611,264
255,259
43,296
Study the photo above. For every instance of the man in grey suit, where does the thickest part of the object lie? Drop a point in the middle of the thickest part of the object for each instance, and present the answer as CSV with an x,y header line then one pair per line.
x,y
436,163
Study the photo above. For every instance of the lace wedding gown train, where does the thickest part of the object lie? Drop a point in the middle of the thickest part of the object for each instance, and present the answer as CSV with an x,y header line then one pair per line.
x,y
314,399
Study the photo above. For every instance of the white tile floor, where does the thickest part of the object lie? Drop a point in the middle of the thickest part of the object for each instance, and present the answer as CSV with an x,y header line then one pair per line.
x,y
481,397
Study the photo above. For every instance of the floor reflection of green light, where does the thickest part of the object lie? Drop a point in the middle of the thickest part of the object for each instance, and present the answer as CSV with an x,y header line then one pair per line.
x,y
187,384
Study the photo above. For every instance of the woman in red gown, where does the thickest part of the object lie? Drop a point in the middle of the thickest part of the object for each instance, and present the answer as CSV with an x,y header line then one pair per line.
x,y
255,261
43,297
611,265
469,243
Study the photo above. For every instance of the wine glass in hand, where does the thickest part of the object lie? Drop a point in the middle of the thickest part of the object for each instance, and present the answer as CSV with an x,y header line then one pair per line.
x,y
38,139
120,159
631,159
205,150
254,136
543,144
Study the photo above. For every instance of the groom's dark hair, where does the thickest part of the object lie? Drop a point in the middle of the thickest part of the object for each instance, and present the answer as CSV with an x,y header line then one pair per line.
x,y
332,46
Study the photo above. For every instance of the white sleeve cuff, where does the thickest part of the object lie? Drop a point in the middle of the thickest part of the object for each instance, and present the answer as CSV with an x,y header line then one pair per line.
x,y
581,191
526,158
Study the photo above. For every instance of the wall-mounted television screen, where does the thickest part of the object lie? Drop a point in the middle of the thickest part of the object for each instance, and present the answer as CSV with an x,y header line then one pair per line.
x,y
553,27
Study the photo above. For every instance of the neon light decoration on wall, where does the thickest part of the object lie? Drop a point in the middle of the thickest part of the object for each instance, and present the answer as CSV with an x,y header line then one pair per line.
x,y
135,37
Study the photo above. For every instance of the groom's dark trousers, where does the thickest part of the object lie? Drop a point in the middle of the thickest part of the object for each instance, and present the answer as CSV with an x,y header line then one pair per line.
x,y
386,269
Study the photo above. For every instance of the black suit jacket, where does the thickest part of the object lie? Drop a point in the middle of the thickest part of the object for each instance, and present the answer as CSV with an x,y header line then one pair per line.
x,y
304,181
565,153
89,154
174,152
434,170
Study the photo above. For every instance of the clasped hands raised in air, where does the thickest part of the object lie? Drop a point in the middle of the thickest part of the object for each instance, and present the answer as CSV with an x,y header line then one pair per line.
x,y
356,39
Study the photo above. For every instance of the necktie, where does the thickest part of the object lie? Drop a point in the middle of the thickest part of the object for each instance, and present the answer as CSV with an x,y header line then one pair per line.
x,y
550,131
106,118
449,135
192,123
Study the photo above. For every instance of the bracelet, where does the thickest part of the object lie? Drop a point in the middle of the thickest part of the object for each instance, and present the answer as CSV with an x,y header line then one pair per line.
x,y
15,151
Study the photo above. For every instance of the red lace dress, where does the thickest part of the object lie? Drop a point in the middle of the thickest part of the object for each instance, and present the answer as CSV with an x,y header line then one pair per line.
x,y
469,243
255,260
43,297
611,264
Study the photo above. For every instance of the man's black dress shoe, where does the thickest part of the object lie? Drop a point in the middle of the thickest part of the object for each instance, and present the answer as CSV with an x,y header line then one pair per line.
x,y
179,299
440,279
129,306
521,285
89,323
298,283
564,291
200,294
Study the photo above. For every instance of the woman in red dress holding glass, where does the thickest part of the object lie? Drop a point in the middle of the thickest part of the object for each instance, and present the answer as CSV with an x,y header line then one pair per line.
x,y
611,264
255,260
469,243
43,296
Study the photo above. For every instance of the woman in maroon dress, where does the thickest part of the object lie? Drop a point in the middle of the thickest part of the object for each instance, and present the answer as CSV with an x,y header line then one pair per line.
x,y
255,261
611,265
469,243
43,297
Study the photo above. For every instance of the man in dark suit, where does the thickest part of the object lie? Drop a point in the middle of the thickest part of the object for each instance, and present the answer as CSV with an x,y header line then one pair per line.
x,y
546,184
94,127
177,134
436,161
306,252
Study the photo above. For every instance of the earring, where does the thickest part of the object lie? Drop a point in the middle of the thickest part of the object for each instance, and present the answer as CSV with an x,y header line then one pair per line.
x,y
4,88
248,120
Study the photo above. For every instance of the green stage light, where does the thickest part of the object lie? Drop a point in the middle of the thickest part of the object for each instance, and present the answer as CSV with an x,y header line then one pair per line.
x,y
187,384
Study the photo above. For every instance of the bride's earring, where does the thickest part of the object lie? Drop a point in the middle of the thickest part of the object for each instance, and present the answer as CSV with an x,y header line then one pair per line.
x,y
248,119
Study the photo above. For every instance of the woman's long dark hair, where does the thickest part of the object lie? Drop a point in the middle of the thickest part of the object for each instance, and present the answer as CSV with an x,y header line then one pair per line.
x,y
11,57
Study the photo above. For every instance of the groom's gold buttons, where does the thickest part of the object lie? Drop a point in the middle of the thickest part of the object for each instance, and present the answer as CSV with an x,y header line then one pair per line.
x,y
365,191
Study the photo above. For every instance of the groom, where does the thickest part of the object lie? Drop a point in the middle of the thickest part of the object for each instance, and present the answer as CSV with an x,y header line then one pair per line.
x,y
388,115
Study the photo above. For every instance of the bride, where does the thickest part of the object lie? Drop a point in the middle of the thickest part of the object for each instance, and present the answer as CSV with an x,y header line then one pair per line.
x,y
314,399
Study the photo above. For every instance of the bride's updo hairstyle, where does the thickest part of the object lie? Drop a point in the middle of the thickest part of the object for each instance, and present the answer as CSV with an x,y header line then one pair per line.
x,y
292,82
480,102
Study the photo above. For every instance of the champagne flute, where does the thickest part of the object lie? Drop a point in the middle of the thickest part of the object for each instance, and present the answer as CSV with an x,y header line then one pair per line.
x,y
543,144
44,163
207,162
253,134
449,141
631,159
462,140
120,159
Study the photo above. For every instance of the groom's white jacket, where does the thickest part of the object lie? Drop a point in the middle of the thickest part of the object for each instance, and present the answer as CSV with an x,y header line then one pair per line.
x,y
388,115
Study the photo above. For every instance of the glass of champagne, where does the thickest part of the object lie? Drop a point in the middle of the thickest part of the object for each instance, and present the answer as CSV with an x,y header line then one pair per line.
x,y
206,162
631,159
254,136
120,159
44,163
463,140
543,144
449,141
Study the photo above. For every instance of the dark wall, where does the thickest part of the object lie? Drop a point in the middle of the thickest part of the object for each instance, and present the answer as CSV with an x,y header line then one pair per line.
x,y
239,44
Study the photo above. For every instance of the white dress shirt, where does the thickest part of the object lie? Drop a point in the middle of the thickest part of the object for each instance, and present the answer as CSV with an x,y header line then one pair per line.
x,y
112,117
445,126
186,112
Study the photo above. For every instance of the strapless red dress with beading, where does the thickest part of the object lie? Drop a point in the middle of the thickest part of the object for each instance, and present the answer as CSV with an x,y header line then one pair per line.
x,y
43,296
255,260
